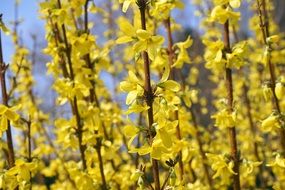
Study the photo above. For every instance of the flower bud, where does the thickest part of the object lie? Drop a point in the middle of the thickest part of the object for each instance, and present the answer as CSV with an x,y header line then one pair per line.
x,y
269,123
273,39
279,90
267,93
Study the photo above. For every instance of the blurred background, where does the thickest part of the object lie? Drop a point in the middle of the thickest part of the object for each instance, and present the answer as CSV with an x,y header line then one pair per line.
x,y
32,35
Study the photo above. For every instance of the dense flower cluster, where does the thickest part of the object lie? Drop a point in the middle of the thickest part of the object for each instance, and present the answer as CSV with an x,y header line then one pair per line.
x,y
167,133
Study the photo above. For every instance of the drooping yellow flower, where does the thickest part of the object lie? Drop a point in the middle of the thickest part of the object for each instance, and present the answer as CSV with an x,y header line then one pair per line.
x,y
183,56
144,40
225,119
126,4
214,55
280,90
23,170
7,114
278,162
220,165
270,123
233,3
3,27
133,87
222,14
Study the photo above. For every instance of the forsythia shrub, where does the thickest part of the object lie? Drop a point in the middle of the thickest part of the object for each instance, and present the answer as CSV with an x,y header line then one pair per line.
x,y
169,132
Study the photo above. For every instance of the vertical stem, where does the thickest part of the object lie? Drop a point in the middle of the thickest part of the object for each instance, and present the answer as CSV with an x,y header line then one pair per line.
x,y
200,142
251,123
193,174
201,149
74,104
50,142
253,131
264,26
252,127
29,149
29,141
148,93
179,72
172,77
137,158
98,149
232,130
3,68
94,99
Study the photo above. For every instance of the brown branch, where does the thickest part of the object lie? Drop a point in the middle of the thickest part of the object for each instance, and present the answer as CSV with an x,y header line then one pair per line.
x,y
79,130
94,99
193,116
149,97
264,26
253,128
3,68
43,131
232,129
29,156
173,77
101,164
253,131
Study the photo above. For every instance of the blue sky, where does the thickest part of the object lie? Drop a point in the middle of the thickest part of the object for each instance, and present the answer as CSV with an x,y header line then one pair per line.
x,y
31,23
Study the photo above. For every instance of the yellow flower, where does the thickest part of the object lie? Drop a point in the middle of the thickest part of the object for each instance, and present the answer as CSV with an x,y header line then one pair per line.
x,y
233,3
144,40
221,165
147,42
214,55
270,123
221,14
248,166
280,90
162,8
3,27
126,4
133,86
7,114
279,162
22,169
170,85
235,59
273,39
127,29
267,92
183,56
225,119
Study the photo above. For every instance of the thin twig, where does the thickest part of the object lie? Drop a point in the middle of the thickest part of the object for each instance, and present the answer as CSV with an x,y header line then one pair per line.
x,y
264,26
232,129
173,77
149,97
3,68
